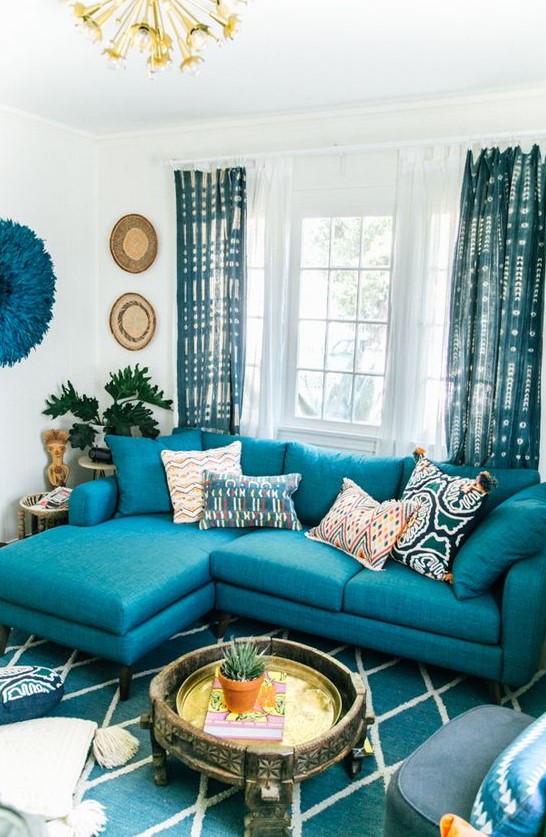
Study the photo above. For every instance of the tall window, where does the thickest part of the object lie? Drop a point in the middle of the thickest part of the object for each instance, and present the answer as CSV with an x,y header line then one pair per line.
x,y
342,322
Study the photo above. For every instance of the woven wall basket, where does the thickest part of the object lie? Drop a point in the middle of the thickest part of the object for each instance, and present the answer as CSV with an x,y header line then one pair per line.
x,y
132,321
133,243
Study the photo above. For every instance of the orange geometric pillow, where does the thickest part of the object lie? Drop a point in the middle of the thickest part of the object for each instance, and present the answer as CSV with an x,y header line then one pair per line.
x,y
453,826
360,526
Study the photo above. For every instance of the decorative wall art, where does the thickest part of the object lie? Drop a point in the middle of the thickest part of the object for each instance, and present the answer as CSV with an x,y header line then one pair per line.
x,y
27,291
133,243
132,321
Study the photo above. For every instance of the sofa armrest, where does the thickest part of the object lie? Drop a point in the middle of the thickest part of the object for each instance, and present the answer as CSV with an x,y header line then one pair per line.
x,y
523,618
93,502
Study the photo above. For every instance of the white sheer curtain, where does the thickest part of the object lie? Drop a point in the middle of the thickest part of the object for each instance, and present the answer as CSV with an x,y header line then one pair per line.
x,y
427,211
269,184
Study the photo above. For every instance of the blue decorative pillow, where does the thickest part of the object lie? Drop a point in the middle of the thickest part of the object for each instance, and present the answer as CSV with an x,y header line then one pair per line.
x,y
446,508
140,473
236,501
28,692
511,801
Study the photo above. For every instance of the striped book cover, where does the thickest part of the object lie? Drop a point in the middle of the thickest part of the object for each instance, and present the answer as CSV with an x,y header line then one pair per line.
x,y
265,722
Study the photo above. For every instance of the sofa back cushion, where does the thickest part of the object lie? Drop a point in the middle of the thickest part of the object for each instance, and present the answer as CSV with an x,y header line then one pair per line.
x,y
259,457
323,472
140,473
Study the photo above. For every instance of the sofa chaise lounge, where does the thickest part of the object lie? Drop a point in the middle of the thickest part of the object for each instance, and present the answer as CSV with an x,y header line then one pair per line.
x,y
121,577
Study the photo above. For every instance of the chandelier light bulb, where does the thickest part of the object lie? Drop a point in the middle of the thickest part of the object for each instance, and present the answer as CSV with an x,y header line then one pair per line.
x,y
155,26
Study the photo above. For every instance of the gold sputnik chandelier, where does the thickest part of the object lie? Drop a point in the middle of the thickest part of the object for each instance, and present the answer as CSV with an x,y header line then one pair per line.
x,y
153,26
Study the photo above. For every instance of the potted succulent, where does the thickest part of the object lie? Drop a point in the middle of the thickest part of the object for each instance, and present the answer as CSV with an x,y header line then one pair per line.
x,y
241,674
130,390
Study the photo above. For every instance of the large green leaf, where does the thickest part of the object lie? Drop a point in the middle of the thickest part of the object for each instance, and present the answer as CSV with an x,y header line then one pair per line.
x,y
81,435
121,418
69,401
135,383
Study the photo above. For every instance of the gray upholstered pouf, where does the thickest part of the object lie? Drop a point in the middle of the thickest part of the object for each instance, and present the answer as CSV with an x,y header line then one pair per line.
x,y
444,774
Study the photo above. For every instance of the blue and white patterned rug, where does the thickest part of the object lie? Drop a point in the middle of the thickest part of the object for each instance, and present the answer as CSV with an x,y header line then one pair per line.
x,y
409,701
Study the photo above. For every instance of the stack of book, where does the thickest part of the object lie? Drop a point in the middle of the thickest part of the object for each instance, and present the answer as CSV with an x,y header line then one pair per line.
x,y
265,721
54,500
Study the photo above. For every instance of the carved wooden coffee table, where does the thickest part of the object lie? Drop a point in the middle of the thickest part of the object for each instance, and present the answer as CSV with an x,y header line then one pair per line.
x,y
313,742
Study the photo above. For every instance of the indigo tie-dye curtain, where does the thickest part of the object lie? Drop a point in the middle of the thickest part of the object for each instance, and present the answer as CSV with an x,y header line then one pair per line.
x,y
495,338
211,297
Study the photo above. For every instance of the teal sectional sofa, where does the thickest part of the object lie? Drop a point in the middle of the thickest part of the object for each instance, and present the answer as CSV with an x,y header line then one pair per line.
x,y
122,577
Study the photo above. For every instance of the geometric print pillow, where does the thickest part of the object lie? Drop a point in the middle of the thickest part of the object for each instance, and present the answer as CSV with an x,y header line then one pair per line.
x,y
360,526
446,507
233,501
28,692
185,476
512,798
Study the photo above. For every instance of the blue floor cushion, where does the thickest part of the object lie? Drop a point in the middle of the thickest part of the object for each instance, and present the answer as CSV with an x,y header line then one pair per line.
x,y
28,692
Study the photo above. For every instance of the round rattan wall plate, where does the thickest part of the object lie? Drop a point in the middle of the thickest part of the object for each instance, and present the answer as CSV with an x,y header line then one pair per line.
x,y
132,321
133,243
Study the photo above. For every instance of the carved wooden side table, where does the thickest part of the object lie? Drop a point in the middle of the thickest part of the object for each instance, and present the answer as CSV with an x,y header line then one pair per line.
x,y
315,740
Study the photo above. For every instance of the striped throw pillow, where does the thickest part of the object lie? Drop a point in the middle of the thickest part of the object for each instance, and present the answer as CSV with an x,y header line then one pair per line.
x,y
185,476
233,501
360,526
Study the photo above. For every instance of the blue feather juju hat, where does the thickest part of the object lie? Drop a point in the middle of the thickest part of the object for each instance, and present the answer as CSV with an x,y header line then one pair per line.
x,y
27,291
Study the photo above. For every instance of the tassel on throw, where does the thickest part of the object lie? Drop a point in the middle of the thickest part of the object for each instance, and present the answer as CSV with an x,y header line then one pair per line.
x,y
485,482
88,819
114,746
418,454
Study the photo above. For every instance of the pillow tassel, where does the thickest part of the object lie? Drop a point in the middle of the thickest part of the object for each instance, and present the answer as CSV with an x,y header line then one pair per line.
x,y
418,454
114,746
485,482
88,819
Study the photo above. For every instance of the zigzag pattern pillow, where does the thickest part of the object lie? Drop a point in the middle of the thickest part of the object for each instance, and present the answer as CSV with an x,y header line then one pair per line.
x,y
233,501
446,507
511,800
185,476
360,526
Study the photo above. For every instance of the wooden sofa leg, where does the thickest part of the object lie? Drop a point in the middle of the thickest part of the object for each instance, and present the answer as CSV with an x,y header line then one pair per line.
x,y
496,691
125,677
223,621
4,636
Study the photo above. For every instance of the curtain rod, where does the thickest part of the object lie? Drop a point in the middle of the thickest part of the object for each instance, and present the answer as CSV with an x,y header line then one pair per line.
x,y
361,148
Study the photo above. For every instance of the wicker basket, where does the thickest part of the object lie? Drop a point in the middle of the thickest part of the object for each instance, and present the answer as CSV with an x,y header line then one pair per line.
x,y
30,500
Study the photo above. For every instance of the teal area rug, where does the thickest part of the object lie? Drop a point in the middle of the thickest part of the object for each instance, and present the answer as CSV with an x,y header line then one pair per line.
x,y
409,700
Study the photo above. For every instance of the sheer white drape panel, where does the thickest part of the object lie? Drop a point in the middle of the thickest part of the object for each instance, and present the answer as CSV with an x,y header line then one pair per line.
x,y
269,185
425,228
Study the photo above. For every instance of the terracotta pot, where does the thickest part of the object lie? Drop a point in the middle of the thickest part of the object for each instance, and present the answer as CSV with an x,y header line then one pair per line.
x,y
240,695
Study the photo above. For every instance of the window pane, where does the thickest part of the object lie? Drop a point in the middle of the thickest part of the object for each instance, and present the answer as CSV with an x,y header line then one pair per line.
x,y
368,399
315,243
311,344
346,242
371,350
313,293
374,295
338,397
255,293
341,346
309,394
343,295
376,241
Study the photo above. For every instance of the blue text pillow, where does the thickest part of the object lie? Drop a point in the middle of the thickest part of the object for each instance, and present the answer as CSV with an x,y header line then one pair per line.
x,y
236,501
28,692
140,473
511,801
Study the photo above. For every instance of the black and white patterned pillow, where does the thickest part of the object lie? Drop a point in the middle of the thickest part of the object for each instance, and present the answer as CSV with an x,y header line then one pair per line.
x,y
28,692
446,510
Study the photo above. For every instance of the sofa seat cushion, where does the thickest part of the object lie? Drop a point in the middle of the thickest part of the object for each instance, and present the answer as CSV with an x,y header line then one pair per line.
x,y
286,564
113,576
322,473
399,596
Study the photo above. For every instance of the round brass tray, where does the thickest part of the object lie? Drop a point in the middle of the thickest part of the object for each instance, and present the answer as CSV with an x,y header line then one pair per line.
x,y
313,703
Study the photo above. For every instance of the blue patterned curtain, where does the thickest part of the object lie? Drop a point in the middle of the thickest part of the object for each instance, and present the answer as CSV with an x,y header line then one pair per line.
x,y
211,297
495,339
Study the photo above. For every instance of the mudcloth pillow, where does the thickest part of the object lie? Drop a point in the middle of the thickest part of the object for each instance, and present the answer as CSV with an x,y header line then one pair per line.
x,y
232,501
511,800
28,692
360,526
185,470
446,507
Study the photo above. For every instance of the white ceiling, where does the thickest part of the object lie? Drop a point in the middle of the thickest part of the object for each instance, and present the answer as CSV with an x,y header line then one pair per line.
x,y
291,55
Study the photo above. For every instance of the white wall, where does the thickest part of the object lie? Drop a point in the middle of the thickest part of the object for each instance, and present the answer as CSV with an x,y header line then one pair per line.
x,y
47,182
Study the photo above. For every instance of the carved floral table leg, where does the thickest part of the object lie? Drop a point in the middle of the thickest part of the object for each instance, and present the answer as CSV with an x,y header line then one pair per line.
x,y
269,789
159,754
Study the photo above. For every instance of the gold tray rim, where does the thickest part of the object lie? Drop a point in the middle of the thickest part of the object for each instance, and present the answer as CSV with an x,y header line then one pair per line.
x,y
292,667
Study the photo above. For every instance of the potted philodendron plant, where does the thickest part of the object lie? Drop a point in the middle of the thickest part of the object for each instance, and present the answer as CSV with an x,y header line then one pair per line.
x,y
241,674
133,395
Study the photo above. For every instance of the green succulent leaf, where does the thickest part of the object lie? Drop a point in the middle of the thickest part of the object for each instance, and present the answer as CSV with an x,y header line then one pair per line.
x,y
69,401
242,661
135,383
81,435
121,418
